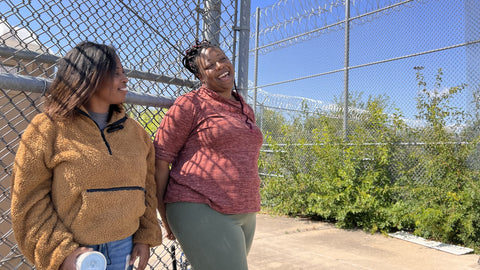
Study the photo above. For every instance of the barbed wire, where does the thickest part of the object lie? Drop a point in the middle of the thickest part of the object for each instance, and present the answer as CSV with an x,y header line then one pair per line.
x,y
289,22
308,105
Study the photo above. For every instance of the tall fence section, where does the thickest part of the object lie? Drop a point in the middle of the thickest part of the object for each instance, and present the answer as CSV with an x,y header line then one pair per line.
x,y
305,57
331,57
150,37
324,51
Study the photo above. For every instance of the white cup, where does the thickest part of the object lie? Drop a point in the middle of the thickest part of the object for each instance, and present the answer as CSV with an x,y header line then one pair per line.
x,y
91,260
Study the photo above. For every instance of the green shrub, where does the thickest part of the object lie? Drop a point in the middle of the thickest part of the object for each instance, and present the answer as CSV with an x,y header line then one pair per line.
x,y
386,176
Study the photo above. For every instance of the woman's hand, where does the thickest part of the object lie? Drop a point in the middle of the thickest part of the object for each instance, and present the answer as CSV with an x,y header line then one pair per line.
x,y
163,216
70,261
168,230
142,251
162,171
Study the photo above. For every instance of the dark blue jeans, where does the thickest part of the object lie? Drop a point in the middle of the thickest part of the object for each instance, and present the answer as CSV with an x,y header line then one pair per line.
x,y
117,253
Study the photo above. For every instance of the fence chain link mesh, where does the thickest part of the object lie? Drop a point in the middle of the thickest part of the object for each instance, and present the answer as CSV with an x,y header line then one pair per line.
x,y
150,37
389,41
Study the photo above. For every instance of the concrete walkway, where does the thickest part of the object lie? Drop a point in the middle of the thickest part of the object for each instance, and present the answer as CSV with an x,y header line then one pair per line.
x,y
293,243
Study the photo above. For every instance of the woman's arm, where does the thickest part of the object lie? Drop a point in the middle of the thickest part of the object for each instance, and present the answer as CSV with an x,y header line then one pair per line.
x,y
149,232
162,172
171,136
40,233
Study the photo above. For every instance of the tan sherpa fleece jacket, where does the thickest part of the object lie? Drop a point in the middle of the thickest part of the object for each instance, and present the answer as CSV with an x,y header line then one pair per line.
x,y
74,184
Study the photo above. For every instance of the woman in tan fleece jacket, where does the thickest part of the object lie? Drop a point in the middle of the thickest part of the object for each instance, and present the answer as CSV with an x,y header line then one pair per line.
x,y
83,177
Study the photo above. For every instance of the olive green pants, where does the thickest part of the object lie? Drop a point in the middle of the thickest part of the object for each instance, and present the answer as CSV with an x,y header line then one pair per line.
x,y
209,239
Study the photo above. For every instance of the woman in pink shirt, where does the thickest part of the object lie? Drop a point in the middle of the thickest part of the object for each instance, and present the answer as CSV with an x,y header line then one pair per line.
x,y
209,196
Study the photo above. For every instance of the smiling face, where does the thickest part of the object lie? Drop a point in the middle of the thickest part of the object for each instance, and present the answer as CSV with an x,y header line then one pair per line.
x,y
216,71
111,91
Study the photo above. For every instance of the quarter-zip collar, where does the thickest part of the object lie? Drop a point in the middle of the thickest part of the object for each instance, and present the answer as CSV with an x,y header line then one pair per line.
x,y
115,123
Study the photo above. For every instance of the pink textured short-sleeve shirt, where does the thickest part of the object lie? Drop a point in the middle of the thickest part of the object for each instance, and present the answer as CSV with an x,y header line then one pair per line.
x,y
213,146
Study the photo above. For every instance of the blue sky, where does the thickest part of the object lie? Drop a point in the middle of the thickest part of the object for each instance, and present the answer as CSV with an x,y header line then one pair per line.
x,y
417,27
410,29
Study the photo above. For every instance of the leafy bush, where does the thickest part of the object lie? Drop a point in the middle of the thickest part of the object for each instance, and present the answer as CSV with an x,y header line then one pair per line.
x,y
386,176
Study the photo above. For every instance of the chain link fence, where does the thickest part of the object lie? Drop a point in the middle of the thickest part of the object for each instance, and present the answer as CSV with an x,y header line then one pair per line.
x,y
150,37
326,58
307,57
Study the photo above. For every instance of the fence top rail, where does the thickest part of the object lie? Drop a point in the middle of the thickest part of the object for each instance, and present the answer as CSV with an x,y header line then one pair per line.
x,y
51,59
370,144
40,85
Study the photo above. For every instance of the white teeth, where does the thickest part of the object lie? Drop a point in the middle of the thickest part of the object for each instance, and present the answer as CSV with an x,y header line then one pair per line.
x,y
223,75
123,89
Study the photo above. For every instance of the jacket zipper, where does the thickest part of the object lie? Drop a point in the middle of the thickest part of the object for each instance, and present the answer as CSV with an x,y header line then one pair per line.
x,y
117,125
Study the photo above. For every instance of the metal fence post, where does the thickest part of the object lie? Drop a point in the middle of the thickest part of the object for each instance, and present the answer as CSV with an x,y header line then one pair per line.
x,y
346,69
243,47
211,21
255,80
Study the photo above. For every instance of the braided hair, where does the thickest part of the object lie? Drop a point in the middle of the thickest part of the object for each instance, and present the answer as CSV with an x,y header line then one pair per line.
x,y
189,60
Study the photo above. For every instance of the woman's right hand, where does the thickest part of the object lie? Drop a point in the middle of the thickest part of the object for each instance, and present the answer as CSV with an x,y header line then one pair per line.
x,y
162,171
168,230
70,261
163,216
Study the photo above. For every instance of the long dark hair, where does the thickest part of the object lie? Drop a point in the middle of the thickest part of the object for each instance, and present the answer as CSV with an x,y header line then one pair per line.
x,y
83,69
